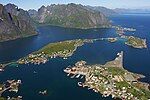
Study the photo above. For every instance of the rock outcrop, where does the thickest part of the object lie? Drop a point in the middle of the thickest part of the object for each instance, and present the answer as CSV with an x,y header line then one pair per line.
x,y
14,23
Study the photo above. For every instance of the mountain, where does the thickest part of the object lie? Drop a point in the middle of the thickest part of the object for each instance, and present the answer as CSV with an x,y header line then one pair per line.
x,y
132,11
14,23
33,13
70,15
104,10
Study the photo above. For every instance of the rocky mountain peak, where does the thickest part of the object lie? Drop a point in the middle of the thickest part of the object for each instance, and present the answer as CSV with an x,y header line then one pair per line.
x,y
14,23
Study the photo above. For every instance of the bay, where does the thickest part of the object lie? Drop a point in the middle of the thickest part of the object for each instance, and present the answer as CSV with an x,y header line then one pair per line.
x,y
50,76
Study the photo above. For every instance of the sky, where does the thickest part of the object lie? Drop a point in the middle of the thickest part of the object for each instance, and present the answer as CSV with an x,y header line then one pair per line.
x,y
35,4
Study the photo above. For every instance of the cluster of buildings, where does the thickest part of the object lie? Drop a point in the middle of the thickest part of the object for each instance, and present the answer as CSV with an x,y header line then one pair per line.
x,y
1,67
11,86
34,58
104,79
120,30
39,58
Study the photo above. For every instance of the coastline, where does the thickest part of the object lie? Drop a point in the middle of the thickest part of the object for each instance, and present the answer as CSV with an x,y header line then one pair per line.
x,y
110,79
103,27
20,37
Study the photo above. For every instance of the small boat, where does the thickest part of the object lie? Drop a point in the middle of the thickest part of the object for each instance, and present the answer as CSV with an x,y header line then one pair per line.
x,y
82,77
78,76
80,84
73,76
68,74
64,58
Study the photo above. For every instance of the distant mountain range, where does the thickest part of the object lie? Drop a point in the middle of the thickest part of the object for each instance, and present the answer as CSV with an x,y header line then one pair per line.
x,y
132,11
14,23
111,12
104,10
69,15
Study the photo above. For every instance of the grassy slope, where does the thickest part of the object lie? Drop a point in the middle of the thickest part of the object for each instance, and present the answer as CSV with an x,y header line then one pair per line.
x,y
135,41
59,46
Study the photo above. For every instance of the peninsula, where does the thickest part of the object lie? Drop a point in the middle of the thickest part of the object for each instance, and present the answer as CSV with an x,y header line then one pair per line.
x,y
111,79
66,48
61,49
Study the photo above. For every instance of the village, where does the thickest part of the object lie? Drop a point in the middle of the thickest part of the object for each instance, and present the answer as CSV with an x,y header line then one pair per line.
x,y
121,30
110,79
11,86
65,49
129,40
43,55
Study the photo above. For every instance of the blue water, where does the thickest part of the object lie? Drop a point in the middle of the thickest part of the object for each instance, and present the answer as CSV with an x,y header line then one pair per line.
x,y
50,76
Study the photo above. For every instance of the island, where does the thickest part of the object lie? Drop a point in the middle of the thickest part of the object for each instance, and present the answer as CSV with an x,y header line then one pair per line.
x,y
65,49
11,86
110,79
132,41
121,30
135,42
61,49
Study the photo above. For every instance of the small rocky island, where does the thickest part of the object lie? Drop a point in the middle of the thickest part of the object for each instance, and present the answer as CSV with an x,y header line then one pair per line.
x,y
135,42
110,79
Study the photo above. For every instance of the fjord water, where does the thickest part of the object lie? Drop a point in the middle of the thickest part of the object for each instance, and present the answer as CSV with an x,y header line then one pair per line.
x,y
50,76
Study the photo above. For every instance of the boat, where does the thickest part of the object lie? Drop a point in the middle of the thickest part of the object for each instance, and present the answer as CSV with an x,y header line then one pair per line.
x,y
78,76
80,84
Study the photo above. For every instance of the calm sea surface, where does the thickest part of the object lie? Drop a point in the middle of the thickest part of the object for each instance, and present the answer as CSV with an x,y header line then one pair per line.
x,y
50,76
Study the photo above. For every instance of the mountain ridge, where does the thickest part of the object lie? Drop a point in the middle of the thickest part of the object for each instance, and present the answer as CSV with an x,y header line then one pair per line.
x,y
104,10
14,23
69,15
